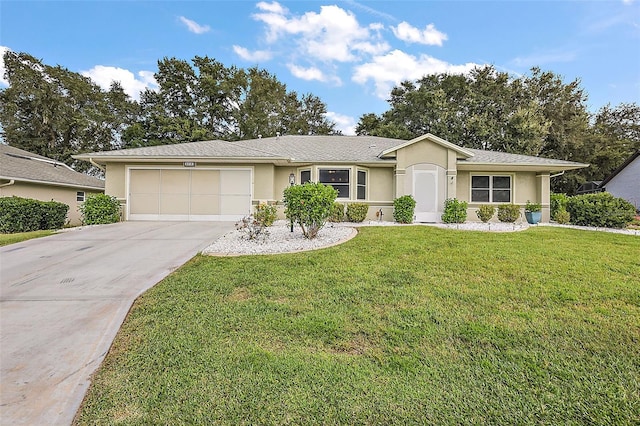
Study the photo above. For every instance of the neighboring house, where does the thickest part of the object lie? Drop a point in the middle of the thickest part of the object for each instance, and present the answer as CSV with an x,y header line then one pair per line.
x,y
29,175
218,180
624,182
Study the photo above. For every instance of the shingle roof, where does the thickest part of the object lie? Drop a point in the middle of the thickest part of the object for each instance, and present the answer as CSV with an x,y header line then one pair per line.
x,y
22,165
290,147
494,157
313,148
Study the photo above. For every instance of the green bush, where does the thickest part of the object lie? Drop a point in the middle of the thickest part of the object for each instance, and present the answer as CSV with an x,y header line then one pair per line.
x,y
562,216
403,209
508,213
485,212
337,212
309,205
558,202
265,214
601,209
532,207
357,212
25,214
54,215
100,209
455,211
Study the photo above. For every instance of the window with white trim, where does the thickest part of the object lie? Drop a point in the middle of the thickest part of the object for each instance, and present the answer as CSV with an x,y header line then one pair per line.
x,y
80,196
362,185
338,178
491,189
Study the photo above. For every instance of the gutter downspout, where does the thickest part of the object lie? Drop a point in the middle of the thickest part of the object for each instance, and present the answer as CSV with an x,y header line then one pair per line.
x,y
557,174
100,167
11,182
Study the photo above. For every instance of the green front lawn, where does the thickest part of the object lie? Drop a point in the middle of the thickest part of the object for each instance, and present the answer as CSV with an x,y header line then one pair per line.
x,y
6,239
401,325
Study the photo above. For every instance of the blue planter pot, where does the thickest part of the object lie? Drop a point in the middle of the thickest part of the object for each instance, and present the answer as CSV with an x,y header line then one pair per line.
x,y
533,217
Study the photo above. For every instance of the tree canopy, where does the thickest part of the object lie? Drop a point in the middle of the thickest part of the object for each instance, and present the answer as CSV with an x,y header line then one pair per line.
x,y
537,115
55,112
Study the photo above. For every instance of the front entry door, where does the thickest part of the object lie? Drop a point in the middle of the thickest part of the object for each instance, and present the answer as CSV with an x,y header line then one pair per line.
x,y
425,192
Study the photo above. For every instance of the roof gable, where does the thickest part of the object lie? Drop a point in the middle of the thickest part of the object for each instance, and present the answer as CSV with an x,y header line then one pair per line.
x,y
432,138
621,168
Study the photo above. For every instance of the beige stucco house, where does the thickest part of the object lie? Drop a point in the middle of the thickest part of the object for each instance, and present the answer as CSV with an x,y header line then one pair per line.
x,y
218,180
27,175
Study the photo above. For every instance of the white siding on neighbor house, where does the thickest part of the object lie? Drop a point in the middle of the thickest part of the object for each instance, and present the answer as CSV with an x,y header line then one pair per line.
x,y
626,184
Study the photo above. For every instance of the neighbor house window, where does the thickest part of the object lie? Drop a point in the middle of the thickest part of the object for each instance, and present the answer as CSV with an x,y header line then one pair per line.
x,y
338,178
305,176
362,185
80,196
491,189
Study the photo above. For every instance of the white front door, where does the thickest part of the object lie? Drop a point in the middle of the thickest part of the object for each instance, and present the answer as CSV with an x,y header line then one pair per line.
x,y
425,192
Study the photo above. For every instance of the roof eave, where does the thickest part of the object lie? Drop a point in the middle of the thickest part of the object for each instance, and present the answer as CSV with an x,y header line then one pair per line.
x,y
45,182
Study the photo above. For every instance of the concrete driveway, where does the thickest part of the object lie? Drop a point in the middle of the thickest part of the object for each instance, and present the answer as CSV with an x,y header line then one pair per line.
x,y
64,297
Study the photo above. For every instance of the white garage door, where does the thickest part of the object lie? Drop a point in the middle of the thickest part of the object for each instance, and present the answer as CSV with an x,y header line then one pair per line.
x,y
195,194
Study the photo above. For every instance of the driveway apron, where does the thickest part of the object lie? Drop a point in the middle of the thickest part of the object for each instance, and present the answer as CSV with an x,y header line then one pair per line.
x,y
63,299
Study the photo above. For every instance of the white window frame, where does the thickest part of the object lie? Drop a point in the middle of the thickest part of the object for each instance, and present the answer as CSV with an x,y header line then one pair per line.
x,y
365,185
81,196
491,189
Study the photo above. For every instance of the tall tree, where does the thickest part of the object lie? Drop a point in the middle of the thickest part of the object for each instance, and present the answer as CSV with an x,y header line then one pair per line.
x,y
54,112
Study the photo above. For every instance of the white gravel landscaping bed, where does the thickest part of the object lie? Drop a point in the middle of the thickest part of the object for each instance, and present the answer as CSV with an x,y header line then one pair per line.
x,y
282,240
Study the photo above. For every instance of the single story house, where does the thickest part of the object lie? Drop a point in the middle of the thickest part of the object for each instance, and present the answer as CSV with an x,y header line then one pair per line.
x,y
27,175
219,180
624,182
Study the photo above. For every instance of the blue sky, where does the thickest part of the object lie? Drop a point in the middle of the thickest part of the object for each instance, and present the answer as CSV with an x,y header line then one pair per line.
x,y
349,53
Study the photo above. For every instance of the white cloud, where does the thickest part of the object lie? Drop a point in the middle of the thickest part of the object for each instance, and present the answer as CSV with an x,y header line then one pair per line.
x,y
344,123
312,73
193,26
255,56
397,66
103,76
429,36
274,7
331,35
3,81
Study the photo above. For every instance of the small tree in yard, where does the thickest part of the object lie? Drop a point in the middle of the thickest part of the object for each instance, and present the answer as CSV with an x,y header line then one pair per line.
x,y
309,205
100,209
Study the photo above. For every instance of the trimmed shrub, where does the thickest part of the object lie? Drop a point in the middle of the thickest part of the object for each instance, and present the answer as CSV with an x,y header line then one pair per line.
x,y
357,212
601,209
337,212
455,211
100,209
25,214
403,209
265,214
54,215
558,202
309,205
562,216
485,212
508,213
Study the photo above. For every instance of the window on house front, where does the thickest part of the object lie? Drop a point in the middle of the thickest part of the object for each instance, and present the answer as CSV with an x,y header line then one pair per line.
x,y
491,189
80,196
305,176
362,185
338,178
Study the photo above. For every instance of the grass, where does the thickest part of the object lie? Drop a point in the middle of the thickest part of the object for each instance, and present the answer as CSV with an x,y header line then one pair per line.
x,y
407,325
6,239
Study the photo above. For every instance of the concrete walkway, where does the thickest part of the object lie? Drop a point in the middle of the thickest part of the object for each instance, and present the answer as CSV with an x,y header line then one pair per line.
x,y
64,297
